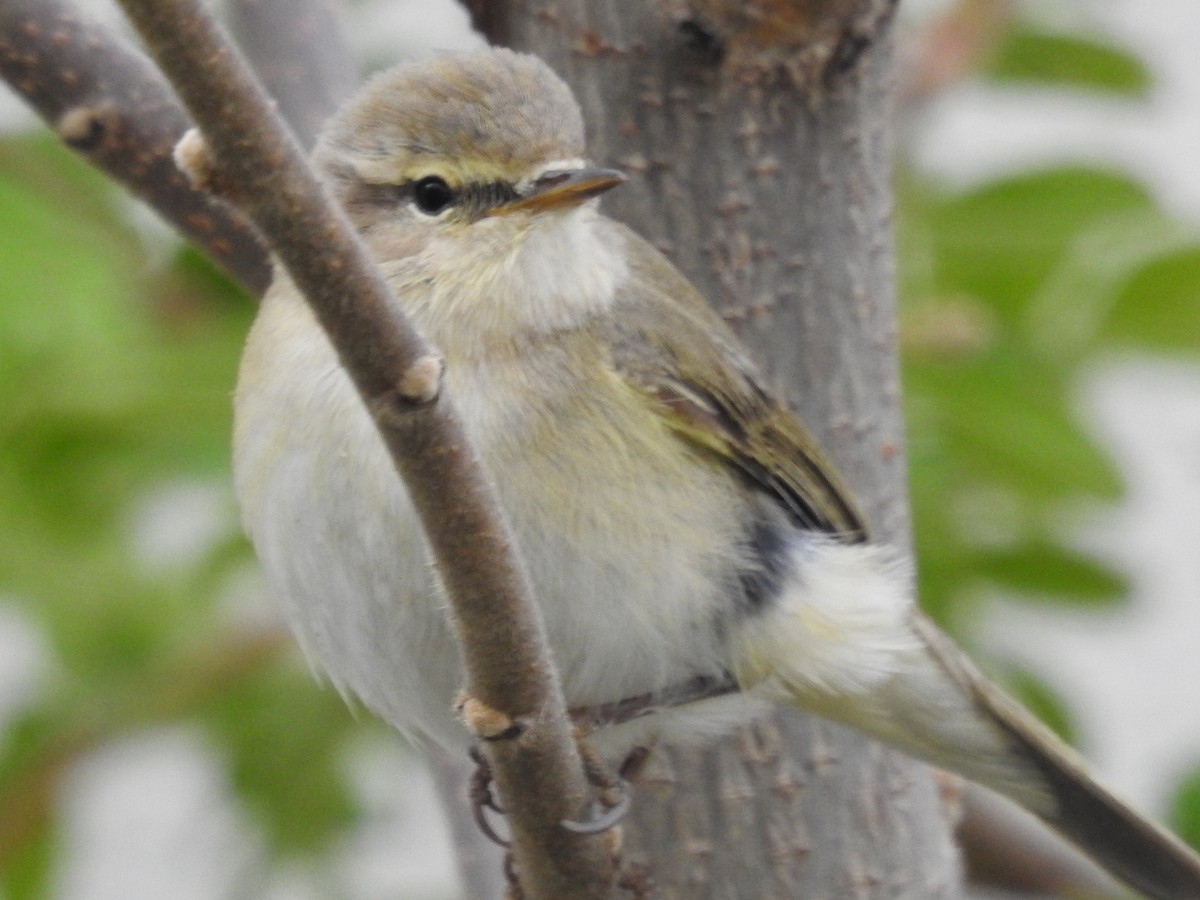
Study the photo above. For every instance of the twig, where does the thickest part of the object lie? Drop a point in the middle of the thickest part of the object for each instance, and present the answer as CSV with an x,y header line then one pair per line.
x,y
509,675
107,102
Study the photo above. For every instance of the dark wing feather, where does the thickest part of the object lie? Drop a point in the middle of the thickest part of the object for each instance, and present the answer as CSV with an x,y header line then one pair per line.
x,y
675,349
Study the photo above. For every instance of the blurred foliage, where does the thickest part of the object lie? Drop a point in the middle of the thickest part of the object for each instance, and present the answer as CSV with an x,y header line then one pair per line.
x,y
996,448
1186,811
1008,290
1031,55
117,374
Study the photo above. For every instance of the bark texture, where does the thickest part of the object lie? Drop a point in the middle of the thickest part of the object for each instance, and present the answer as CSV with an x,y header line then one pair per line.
x,y
757,138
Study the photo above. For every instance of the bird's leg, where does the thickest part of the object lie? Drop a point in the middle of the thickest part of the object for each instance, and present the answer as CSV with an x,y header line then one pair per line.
x,y
512,881
479,793
633,763
614,796
615,800
513,889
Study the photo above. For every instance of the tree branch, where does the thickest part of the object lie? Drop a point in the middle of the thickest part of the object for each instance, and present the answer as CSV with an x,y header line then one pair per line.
x,y
108,103
510,679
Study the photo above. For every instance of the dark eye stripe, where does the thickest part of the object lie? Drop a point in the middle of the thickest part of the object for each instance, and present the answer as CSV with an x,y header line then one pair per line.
x,y
491,194
433,195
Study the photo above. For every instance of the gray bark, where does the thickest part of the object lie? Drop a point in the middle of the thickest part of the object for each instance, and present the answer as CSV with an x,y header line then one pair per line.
x,y
300,53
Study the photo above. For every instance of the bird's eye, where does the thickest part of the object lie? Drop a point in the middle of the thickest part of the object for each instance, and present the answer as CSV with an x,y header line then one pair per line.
x,y
432,195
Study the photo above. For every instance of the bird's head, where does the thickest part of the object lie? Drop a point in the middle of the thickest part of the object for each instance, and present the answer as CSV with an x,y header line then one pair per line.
x,y
465,173
444,144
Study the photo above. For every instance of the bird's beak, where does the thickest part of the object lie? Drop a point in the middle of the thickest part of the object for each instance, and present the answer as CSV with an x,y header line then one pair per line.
x,y
563,187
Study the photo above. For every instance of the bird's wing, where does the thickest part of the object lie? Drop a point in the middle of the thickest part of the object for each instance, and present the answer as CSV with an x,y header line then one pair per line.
x,y
680,353
936,704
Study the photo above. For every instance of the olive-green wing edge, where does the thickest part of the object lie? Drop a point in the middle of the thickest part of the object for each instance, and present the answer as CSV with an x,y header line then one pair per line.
x,y
679,352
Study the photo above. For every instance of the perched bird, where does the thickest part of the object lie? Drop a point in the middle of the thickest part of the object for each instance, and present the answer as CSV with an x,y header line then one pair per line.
x,y
679,525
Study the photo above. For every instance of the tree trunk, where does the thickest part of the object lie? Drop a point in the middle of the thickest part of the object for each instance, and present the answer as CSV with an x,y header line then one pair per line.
x,y
758,141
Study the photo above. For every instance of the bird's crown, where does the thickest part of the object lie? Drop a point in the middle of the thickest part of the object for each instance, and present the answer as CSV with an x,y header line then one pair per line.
x,y
480,116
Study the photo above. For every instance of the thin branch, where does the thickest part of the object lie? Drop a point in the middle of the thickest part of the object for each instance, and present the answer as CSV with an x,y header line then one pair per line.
x,y
108,102
511,683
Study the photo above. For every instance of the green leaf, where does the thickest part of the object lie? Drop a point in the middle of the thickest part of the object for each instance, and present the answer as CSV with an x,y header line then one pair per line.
x,y
1029,55
1007,287
28,875
284,735
1004,419
1158,307
1046,571
1067,315
105,394
1185,813
1001,242
109,390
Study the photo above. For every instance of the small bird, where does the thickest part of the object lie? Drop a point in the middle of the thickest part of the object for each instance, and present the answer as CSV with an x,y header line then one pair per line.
x,y
679,525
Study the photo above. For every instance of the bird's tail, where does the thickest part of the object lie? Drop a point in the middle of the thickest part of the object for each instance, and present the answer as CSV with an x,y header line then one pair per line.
x,y
1131,846
845,642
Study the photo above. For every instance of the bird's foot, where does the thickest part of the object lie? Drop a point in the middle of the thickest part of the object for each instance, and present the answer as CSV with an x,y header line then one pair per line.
x,y
479,793
611,805
613,796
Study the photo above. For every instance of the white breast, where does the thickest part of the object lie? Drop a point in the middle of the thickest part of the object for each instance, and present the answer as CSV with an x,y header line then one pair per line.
x,y
626,539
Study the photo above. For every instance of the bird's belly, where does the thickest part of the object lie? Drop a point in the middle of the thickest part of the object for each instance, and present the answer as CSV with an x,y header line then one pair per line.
x,y
627,539
624,559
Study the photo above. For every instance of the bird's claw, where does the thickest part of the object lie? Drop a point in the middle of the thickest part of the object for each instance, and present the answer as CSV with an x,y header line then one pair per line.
x,y
608,817
603,814
479,792
615,796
